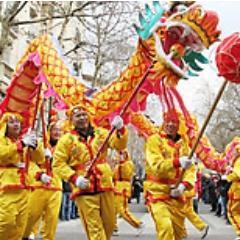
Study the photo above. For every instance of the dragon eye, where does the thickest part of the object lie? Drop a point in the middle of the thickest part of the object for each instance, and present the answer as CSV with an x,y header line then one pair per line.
x,y
181,8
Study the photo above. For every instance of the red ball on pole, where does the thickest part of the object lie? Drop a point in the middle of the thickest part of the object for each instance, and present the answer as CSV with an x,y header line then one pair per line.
x,y
228,58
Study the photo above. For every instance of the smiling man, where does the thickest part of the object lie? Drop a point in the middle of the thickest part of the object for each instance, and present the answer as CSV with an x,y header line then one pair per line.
x,y
165,160
74,152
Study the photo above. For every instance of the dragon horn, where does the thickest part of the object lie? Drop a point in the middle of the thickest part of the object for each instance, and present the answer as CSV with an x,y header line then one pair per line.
x,y
148,11
150,19
142,20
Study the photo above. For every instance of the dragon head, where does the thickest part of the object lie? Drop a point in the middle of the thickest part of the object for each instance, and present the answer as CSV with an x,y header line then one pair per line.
x,y
174,38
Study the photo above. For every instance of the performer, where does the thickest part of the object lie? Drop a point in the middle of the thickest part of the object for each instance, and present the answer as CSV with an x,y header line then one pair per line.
x,y
226,163
163,166
14,178
233,176
47,187
123,174
74,152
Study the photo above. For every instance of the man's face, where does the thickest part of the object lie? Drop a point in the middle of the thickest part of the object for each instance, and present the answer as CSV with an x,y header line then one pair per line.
x,y
171,127
55,132
80,119
13,127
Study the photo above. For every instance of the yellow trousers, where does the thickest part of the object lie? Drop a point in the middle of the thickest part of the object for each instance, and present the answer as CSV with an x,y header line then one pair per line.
x,y
192,216
234,214
13,214
97,215
169,218
39,226
45,202
121,208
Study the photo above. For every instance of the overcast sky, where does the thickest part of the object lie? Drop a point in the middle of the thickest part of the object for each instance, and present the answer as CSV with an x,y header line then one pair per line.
x,y
229,15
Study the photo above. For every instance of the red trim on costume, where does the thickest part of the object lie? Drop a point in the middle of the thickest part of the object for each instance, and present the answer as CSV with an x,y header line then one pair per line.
x,y
82,192
48,167
22,172
153,178
80,166
176,163
19,146
8,166
73,178
187,184
74,132
150,199
14,187
38,176
121,131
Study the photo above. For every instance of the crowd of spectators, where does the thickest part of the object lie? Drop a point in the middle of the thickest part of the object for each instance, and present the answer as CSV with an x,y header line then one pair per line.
x,y
215,192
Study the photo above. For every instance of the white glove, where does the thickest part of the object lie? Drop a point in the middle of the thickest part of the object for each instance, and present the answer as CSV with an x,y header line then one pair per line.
x,y
117,122
185,162
30,140
47,153
229,170
82,182
45,178
20,165
177,192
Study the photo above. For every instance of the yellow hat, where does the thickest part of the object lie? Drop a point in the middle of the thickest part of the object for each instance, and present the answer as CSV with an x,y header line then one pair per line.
x,y
4,119
85,105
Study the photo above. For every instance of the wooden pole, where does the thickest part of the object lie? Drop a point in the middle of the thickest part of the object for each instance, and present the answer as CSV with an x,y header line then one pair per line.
x,y
124,109
33,124
210,113
45,143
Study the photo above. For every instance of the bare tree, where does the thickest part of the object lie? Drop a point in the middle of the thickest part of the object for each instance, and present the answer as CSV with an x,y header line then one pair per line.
x,y
226,124
106,40
63,11
103,32
7,15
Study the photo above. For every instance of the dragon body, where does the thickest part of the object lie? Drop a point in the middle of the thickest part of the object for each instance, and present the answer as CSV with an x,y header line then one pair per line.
x,y
169,49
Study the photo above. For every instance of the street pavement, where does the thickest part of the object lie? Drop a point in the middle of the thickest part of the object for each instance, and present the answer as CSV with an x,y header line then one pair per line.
x,y
219,230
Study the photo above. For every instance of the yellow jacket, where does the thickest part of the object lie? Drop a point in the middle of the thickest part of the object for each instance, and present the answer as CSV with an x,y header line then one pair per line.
x,y
43,166
72,155
163,168
123,173
12,177
234,177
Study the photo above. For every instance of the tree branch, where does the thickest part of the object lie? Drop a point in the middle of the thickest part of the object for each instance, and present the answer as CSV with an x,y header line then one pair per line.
x,y
77,46
18,10
72,14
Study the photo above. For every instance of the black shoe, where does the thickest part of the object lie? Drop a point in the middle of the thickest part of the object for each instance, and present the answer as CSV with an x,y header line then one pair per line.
x,y
205,232
115,232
